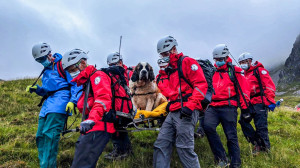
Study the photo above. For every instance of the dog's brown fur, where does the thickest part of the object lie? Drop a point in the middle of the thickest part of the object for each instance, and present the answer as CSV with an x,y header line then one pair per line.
x,y
146,95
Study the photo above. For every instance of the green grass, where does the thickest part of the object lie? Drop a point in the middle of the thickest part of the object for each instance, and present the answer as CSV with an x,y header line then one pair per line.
x,y
18,125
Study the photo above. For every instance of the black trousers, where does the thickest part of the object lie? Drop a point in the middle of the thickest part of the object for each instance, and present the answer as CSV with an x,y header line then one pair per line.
x,y
89,148
260,136
227,116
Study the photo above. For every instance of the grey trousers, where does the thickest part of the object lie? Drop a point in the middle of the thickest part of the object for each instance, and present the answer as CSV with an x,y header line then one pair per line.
x,y
181,133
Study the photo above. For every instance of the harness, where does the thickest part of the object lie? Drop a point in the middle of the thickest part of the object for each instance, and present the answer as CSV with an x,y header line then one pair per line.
x,y
261,93
61,73
159,78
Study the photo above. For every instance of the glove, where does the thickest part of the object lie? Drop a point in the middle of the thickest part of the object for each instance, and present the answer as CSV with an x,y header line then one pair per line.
x,y
272,107
70,107
246,115
86,125
186,112
31,88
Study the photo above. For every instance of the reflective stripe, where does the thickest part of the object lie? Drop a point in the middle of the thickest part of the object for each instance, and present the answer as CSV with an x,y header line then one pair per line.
x,y
246,95
101,103
199,91
229,96
254,89
88,107
270,89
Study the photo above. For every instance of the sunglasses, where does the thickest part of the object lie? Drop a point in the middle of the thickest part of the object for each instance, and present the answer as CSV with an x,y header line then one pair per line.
x,y
219,59
165,54
43,58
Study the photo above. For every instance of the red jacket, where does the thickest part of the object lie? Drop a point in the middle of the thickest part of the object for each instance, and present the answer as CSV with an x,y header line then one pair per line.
x,y
194,74
163,83
224,87
267,84
100,98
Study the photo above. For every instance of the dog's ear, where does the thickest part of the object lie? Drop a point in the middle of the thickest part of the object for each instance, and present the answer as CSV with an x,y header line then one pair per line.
x,y
135,75
151,73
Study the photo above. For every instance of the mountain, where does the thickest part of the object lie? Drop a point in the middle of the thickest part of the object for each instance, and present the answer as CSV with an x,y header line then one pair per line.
x,y
290,74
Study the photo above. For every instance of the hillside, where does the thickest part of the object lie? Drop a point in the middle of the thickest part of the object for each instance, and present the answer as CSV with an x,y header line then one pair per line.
x,y
18,125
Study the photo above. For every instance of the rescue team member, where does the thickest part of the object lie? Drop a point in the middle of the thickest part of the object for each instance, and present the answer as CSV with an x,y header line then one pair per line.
x,y
95,132
59,96
223,108
162,79
121,143
262,97
178,127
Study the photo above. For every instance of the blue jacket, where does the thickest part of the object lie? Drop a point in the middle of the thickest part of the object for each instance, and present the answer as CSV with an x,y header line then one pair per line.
x,y
52,81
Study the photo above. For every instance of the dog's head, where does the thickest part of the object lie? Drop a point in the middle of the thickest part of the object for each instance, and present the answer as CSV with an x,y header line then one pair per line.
x,y
144,72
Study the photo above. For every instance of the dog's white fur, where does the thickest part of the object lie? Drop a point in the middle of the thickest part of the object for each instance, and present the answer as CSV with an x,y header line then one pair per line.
x,y
146,95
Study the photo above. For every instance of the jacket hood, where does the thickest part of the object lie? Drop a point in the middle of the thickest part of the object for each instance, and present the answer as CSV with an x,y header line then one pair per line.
x,y
254,66
84,75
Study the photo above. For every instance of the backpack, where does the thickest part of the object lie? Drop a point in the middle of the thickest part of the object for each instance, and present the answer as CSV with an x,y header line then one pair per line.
x,y
111,116
208,70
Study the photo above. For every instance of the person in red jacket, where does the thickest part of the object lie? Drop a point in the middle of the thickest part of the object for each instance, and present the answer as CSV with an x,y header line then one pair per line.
x,y
96,132
223,108
178,127
121,142
162,78
262,95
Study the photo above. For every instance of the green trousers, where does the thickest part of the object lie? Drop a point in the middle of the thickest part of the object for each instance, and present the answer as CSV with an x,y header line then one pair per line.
x,y
47,138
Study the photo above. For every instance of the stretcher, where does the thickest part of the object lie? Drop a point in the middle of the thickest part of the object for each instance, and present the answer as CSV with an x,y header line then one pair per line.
x,y
142,121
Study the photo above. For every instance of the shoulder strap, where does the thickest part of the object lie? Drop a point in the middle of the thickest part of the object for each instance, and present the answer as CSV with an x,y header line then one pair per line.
x,y
237,86
256,74
128,72
179,67
61,70
158,79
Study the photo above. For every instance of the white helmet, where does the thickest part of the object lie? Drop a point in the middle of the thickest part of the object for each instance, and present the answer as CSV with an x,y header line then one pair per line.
x,y
161,62
220,51
114,58
245,56
72,57
166,44
40,50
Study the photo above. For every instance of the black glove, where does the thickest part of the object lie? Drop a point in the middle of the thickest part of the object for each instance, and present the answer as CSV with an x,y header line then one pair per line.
x,y
86,125
186,112
246,115
110,116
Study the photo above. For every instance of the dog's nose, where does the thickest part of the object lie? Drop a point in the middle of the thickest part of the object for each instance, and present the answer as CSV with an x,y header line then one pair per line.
x,y
144,71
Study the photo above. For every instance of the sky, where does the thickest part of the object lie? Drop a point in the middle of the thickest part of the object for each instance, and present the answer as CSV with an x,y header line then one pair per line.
x,y
265,28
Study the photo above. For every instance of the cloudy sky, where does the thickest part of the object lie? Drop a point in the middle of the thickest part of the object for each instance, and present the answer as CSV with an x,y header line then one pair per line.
x,y
266,28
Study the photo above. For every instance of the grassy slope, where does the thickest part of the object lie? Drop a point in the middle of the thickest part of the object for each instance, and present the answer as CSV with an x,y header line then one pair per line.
x,y
18,124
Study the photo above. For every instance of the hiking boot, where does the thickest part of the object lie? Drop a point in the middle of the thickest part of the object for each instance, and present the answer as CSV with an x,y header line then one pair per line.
x,y
256,150
118,155
223,164
199,133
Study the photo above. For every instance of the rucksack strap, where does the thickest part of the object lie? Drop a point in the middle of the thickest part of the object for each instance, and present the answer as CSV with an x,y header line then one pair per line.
x,y
237,86
50,94
262,93
158,79
61,70
180,73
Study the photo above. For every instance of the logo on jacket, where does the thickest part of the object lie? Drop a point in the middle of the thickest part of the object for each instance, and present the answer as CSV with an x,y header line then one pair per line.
x,y
194,67
97,80
264,72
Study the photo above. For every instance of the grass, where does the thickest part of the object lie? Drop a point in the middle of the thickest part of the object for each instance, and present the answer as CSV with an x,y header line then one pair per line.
x,y
18,125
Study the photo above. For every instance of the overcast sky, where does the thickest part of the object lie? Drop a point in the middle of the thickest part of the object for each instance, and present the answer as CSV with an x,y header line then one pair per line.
x,y
266,28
